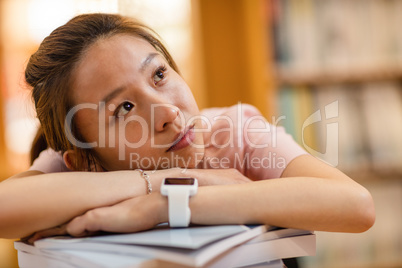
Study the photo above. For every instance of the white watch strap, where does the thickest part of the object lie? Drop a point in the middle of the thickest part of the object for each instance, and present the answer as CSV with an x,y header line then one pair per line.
x,y
179,211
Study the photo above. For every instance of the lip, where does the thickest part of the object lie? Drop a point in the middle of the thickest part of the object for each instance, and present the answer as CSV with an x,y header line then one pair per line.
x,y
183,140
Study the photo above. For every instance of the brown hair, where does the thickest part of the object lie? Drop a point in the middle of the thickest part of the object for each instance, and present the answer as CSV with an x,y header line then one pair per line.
x,y
49,74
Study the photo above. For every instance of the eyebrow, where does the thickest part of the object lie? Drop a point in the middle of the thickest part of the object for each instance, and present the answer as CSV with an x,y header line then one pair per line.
x,y
147,61
118,90
112,94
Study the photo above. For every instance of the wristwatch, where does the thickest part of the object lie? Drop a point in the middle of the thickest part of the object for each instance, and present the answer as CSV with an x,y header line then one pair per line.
x,y
178,192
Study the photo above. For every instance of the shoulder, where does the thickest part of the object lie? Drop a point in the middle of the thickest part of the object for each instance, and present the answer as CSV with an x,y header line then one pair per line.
x,y
233,122
241,109
238,120
235,117
49,161
222,125
257,148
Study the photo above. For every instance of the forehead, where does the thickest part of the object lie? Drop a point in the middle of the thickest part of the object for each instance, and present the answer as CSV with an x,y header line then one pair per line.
x,y
108,63
118,43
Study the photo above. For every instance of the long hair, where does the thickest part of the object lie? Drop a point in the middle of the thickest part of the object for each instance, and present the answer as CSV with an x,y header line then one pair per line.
x,y
49,72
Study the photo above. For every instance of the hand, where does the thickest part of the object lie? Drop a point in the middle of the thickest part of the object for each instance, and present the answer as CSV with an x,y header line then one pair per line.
x,y
54,231
132,215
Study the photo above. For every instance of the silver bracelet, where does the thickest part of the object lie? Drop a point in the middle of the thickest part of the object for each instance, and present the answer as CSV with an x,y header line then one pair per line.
x,y
146,178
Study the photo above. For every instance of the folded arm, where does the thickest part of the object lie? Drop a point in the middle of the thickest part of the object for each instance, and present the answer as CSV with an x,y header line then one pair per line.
x,y
310,195
33,201
321,198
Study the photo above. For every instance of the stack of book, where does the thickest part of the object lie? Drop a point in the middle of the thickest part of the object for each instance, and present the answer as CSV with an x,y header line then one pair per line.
x,y
196,246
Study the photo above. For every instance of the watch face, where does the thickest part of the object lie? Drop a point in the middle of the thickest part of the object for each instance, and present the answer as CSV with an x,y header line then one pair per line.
x,y
179,181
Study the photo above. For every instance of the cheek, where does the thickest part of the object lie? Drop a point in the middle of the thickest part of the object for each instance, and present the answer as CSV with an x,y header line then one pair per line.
x,y
126,141
88,128
133,132
185,98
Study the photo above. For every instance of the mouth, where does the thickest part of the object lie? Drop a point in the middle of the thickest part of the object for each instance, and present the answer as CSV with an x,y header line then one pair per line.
x,y
184,139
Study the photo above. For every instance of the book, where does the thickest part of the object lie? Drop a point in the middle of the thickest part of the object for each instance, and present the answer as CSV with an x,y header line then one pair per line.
x,y
101,259
187,246
198,246
30,256
287,103
382,108
350,135
266,251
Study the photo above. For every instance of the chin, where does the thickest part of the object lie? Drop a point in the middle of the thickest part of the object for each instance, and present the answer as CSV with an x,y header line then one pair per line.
x,y
195,158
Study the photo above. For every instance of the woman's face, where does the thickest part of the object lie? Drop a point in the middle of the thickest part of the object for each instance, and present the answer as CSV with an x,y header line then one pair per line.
x,y
133,108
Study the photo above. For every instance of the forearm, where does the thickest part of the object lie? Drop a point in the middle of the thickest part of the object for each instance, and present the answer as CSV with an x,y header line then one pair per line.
x,y
302,202
33,203
295,202
311,195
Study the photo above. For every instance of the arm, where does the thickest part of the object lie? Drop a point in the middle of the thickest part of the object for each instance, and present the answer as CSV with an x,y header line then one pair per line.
x,y
33,201
310,195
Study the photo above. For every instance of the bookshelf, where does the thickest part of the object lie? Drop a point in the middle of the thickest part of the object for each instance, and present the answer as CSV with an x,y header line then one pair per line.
x,y
236,61
350,52
311,53
314,53
3,160
338,77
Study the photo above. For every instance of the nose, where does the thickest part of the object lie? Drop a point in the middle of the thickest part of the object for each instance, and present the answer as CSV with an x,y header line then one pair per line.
x,y
164,114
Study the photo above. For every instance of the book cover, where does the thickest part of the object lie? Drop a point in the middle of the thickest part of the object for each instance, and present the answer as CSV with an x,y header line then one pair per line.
x,y
192,246
261,244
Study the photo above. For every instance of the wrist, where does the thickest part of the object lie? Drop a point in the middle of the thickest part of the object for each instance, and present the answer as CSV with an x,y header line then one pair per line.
x,y
157,176
178,192
161,207
204,208
145,176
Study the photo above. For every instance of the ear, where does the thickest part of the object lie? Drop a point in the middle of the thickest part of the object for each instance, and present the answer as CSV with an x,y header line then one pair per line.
x,y
69,158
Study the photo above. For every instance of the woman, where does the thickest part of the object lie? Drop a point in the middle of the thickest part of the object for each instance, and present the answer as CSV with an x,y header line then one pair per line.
x,y
109,98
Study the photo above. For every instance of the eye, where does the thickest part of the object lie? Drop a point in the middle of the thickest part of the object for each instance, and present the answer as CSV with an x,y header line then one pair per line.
x,y
159,74
124,108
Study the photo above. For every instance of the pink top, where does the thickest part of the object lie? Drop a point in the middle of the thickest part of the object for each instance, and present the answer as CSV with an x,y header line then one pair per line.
x,y
235,137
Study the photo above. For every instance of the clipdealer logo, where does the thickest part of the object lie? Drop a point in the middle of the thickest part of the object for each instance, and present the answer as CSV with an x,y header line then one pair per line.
x,y
240,129
331,152
107,135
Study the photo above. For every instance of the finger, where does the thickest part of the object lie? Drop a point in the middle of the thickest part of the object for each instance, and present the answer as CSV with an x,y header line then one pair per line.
x,y
109,219
55,231
127,216
120,218
86,224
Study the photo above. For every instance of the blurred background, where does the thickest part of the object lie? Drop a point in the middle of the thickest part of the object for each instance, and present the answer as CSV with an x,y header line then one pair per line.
x,y
307,64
